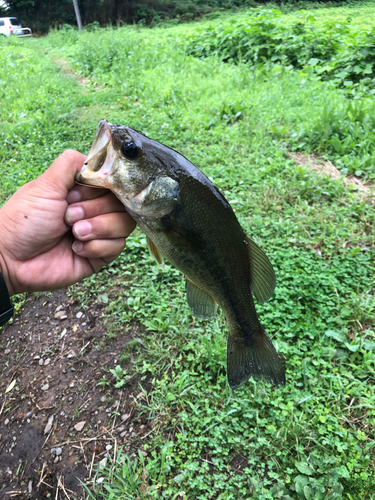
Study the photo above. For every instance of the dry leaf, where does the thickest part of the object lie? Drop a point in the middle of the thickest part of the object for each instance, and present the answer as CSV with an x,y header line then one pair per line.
x,y
10,386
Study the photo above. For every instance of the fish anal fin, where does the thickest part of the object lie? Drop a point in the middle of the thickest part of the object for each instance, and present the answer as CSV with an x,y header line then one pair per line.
x,y
263,279
154,252
257,359
201,304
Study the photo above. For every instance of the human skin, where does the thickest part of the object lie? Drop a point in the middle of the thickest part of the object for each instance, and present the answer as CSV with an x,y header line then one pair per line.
x,y
54,233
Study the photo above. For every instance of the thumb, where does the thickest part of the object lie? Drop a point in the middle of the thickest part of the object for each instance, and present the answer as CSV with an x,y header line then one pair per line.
x,y
60,176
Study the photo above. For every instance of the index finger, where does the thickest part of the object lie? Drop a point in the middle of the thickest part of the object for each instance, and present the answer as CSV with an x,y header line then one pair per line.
x,y
83,193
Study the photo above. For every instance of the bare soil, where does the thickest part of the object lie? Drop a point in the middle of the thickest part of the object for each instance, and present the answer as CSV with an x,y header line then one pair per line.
x,y
325,167
52,358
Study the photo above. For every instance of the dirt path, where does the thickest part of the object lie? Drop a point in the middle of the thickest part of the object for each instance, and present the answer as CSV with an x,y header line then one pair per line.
x,y
56,423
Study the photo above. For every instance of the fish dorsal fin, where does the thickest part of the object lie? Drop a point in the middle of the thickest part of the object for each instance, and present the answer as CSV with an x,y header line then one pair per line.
x,y
155,252
201,305
263,279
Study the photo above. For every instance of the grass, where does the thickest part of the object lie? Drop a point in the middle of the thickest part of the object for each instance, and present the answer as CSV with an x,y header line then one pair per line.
x,y
312,439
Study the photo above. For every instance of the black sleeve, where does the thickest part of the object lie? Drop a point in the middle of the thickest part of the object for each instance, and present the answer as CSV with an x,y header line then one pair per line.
x,y
6,307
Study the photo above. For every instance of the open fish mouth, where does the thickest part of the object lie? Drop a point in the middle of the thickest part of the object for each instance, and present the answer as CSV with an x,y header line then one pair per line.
x,y
100,159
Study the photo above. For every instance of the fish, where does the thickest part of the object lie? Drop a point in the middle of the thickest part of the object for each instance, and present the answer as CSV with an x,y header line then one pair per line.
x,y
189,222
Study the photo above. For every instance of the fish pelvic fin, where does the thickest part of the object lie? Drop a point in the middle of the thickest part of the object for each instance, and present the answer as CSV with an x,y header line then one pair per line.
x,y
256,358
201,304
154,252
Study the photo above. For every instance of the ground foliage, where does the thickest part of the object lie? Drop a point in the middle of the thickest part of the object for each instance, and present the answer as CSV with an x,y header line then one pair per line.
x,y
312,439
41,15
339,53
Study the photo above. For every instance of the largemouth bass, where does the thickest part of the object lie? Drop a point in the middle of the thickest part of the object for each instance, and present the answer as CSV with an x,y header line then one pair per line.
x,y
188,221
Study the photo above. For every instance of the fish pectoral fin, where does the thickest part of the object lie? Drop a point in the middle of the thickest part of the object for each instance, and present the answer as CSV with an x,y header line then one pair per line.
x,y
257,359
154,252
182,237
201,304
262,279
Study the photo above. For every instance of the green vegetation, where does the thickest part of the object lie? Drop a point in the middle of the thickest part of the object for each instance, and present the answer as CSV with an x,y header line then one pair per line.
x,y
338,53
313,439
42,16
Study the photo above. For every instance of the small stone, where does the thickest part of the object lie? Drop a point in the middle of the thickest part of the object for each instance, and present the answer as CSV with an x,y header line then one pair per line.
x,y
61,315
120,429
53,450
102,399
102,463
123,434
133,434
7,351
41,362
131,428
6,421
78,427
48,427
109,447
71,355
30,486
125,416
58,308
144,453
79,314
71,383
45,387
37,357
47,361
56,460
58,451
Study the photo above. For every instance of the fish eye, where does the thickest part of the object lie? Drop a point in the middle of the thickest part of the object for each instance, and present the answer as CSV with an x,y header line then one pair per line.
x,y
129,149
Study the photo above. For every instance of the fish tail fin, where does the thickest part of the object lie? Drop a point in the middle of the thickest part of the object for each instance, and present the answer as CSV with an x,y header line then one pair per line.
x,y
256,358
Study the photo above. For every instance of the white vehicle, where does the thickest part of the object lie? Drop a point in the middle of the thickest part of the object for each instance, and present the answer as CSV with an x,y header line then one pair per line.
x,y
11,26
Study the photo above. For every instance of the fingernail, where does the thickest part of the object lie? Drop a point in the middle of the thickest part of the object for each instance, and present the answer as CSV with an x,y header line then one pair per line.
x,y
77,246
82,228
73,196
73,214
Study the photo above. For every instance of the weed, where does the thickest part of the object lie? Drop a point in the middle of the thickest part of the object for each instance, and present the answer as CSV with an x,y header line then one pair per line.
x,y
121,376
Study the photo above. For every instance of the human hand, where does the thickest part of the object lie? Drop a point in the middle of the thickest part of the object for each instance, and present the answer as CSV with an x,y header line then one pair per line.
x,y
54,233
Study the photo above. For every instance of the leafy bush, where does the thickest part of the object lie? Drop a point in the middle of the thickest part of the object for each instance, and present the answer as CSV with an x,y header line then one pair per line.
x,y
336,51
265,37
